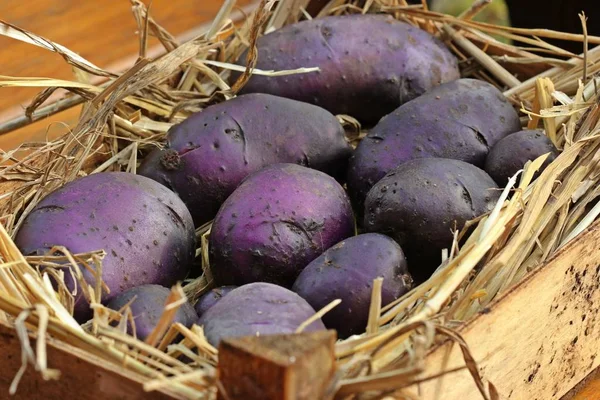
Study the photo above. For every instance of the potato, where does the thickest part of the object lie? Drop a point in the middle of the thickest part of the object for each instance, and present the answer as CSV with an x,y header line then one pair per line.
x,y
459,120
275,223
257,309
420,202
369,64
211,152
346,271
144,228
209,299
511,153
147,307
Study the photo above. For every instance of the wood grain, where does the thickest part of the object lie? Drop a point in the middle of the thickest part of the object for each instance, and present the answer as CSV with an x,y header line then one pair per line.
x,y
83,377
102,32
540,339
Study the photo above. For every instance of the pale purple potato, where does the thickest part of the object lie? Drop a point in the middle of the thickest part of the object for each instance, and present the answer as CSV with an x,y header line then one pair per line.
x,y
511,153
211,152
275,223
209,299
144,228
346,271
257,309
418,204
459,120
369,64
148,307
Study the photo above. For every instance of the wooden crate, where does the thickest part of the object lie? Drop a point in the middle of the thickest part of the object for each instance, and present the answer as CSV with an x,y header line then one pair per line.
x,y
538,341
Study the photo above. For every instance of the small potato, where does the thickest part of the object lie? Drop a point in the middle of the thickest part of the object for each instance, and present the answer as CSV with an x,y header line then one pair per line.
x,y
346,271
144,228
459,120
275,223
257,309
511,153
420,202
147,307
369,64
211,298
210,153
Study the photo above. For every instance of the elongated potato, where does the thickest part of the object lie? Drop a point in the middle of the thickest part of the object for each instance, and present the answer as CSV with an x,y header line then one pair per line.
x,y
369,64
275,223
459,120
420,202
211,152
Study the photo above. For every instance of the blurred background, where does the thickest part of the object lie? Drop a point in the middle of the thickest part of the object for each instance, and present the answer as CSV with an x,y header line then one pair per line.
x,y
105,33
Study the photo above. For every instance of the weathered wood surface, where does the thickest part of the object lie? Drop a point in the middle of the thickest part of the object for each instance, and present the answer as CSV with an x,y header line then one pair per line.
x,y
540,339
277,367
83,377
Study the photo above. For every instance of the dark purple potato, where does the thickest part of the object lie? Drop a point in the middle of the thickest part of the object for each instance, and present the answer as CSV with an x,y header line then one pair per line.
x,y
511,153
275,223
144,228
257,309
209,299
420,202
346,271
148,307
459,120
369,64
211,152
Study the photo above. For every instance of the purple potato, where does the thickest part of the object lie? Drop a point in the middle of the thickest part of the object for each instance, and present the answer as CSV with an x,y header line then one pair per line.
x,y
459,120
211,152
275,223
419,203
511,153
148,307
346,271
144,228
369,64
257,309
209,299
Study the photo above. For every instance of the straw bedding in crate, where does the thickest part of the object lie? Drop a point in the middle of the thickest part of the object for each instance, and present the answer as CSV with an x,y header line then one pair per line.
x,y
128,114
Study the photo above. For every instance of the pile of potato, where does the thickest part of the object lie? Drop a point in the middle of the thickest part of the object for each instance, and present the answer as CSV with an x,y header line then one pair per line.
x,y
301,218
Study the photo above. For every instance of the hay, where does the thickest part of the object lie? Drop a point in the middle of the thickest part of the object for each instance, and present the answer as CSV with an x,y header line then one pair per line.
x,y
127,114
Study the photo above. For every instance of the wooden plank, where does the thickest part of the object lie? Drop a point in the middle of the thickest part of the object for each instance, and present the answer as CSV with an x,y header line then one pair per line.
x,y
83,377
587,389
538,340
277,367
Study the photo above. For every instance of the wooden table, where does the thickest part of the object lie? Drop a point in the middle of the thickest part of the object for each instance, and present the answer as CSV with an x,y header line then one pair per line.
x,y
104,33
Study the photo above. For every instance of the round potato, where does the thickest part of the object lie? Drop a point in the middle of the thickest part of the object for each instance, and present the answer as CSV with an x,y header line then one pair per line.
x,y
346,271
144,228
420,202
459,120
511,153
275,223
209,299
257,309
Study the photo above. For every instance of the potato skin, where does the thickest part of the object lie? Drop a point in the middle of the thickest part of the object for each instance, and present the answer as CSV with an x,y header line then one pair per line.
x,y
346,271
418,203
275,223
211,152
144,228
459,120
257,309
148,307
209,299
369,64
511,153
